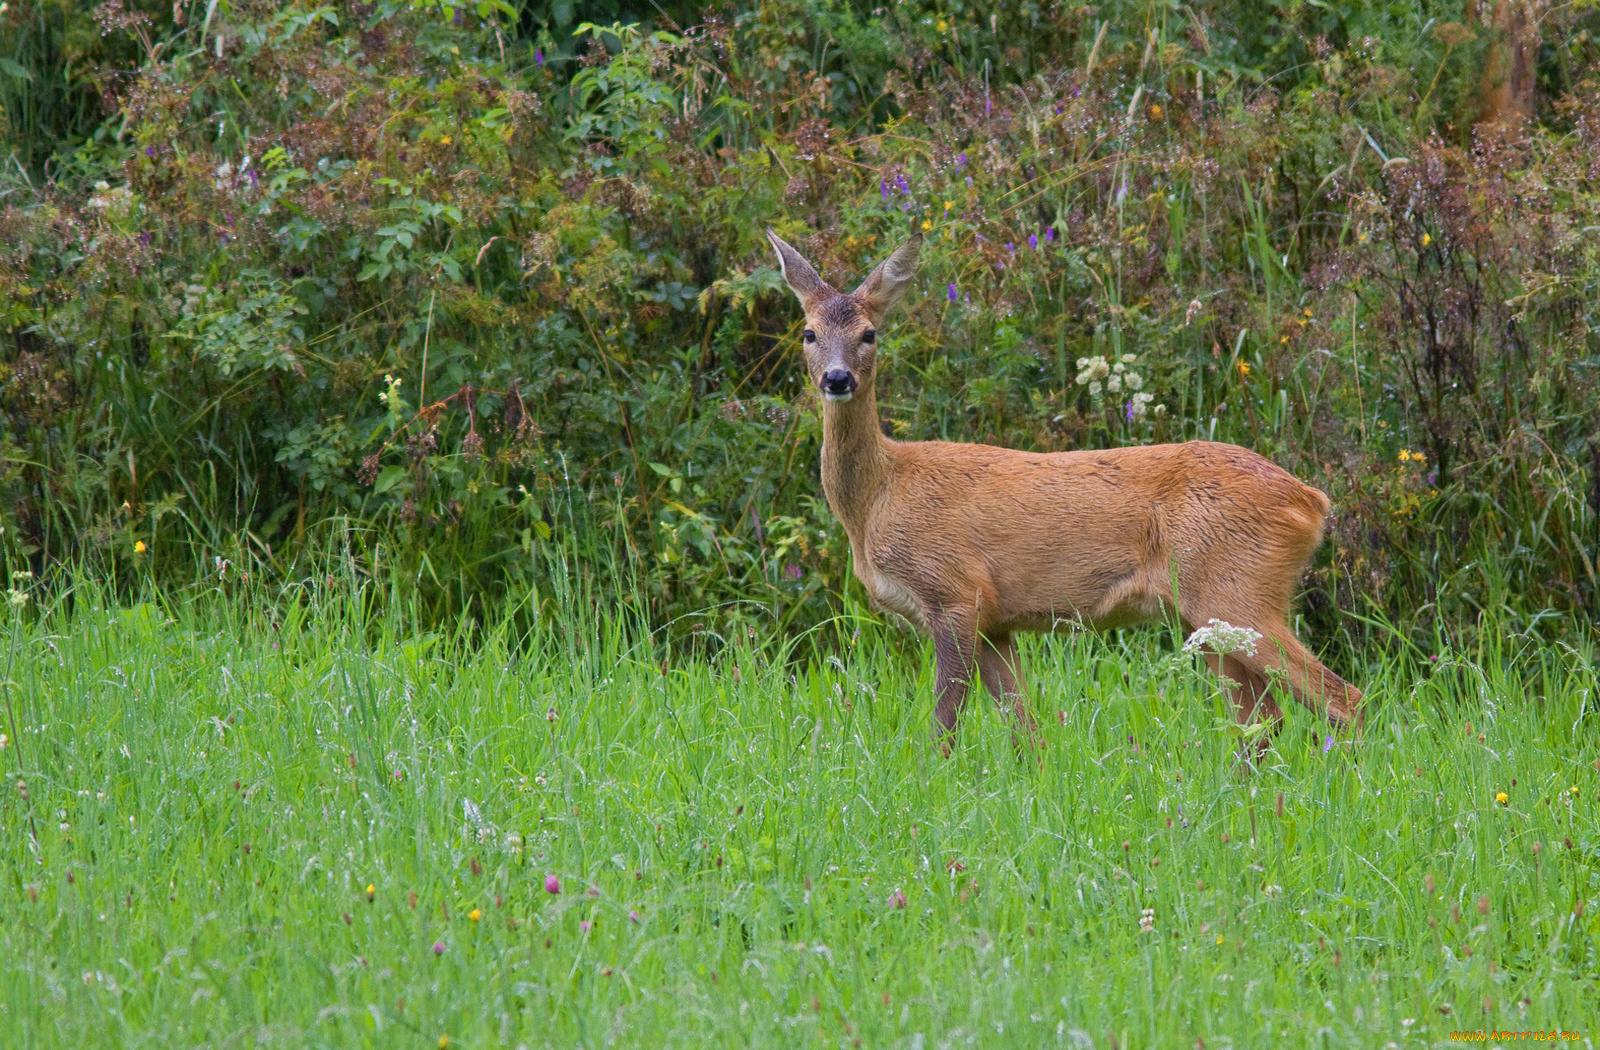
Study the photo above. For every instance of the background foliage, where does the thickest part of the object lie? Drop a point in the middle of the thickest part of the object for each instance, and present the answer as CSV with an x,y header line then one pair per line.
x,y
479,294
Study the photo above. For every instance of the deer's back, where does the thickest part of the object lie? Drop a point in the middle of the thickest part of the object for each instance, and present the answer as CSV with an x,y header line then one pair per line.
x,y
1034,537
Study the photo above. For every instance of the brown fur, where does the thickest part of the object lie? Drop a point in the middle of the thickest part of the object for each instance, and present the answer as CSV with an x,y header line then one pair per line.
x,y
975,543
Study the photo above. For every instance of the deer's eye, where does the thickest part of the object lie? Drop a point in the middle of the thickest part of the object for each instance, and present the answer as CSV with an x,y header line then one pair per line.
x,y
811,336
869,336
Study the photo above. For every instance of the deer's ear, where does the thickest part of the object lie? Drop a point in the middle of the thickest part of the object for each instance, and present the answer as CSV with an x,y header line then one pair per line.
x,y
797,273
885,285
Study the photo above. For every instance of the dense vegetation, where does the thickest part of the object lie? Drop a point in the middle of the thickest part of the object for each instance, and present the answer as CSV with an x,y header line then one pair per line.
x,y
479,294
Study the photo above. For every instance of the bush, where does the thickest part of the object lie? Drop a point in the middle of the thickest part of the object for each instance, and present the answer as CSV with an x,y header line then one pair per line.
x,y
480,296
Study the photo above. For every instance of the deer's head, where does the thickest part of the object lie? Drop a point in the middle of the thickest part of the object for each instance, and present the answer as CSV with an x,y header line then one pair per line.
x,y
842,330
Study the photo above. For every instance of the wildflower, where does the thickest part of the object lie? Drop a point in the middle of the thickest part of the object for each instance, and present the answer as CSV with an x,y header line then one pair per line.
x,y
139,547
927,224
633,916
445,141
1244,368
1033,241
1049,234
551,716
1222,638
1147,920
952,291
1500,797
961,161
883,188
474,914
897,899
585,925
538,56
5,742
444,1041
552,885
372,893
941,25
1426,240
1155,111
17,598
1219,938
1327,745
1012,248
438,947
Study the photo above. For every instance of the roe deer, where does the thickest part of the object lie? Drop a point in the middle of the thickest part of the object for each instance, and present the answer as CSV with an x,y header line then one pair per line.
x,y
974,543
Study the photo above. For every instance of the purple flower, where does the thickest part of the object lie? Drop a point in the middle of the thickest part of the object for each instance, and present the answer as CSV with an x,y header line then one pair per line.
x,y
438,947
969,182
961,161
1033,241
144,238
1327,745
585,925
1130,411
150,151
1049,234
897,899
952,291
633,916
883,188
538,56
1012,248
900,181
552,884
793,571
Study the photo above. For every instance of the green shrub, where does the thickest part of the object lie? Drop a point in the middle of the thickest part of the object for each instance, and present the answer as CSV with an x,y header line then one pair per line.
x,y
480,295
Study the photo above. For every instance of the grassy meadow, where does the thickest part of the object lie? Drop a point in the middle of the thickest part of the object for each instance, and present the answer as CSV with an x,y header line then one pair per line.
x,y
287,820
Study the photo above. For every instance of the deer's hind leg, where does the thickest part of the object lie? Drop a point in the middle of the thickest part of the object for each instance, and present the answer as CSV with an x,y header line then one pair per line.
x,y
955,643
1251,695
1001,669
1311,683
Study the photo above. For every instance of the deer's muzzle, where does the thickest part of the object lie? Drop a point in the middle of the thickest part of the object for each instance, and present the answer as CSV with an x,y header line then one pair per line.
x,y
838,384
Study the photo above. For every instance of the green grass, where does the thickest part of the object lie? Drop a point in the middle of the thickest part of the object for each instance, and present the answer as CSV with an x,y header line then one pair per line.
x,y
214,784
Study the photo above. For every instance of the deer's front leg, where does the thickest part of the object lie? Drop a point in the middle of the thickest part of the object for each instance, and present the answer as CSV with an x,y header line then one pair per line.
x,y
954,649
1001,671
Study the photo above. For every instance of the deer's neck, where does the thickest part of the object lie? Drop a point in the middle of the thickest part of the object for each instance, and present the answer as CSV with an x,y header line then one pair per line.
x,y
855,458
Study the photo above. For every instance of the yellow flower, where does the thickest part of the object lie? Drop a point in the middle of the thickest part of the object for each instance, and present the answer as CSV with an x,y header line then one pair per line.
x,y
445,141
444,1041
1219,938
1155,111
1405,454
139,547
1244,368
1307,312
1574,789
942,25
926,225
1500,797
1426,240
474,914
371,888
1362,238
947,205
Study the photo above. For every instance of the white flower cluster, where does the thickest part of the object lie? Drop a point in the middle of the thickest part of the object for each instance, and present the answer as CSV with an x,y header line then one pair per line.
x,y
1103,375
1222,637
1098,373
118,202
1147,920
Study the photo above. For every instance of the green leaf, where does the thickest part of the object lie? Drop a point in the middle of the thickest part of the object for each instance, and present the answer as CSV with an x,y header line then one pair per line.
x,y
388,479
16,69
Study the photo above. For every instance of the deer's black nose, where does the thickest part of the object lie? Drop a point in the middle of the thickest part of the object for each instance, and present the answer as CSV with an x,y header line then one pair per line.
x,y
838,382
